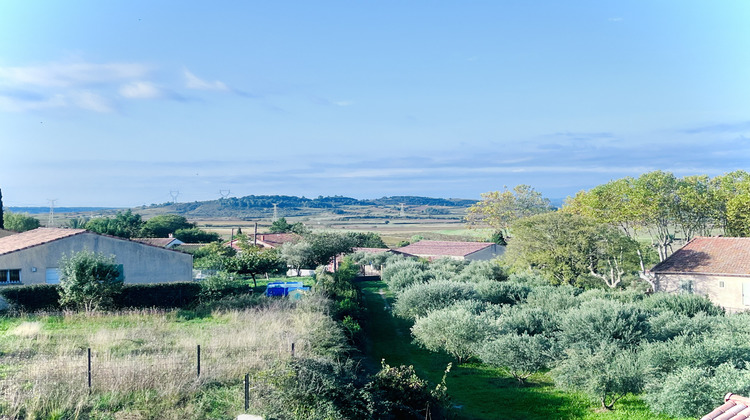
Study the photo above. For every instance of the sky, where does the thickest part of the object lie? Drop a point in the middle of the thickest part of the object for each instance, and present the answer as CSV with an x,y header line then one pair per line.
x,y
126,103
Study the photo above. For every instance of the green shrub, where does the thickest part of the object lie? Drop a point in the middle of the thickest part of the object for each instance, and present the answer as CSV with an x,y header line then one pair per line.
x,y
505,292
158,295
667,325
598,321
482,270
32,298
221,285
684,303
525,319
402,273
704,351
401,394
554,298
518,355
605,373
456,330
418,299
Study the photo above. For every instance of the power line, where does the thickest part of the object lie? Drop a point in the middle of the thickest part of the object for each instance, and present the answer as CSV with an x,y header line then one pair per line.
x,y
51,218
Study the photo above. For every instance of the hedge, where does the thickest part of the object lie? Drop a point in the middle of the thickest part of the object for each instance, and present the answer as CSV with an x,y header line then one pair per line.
x,y
37,297
158,295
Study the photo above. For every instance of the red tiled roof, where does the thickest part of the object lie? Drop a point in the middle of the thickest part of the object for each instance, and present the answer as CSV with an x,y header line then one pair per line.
x,y
443,248
35,237
275,240
4,233
704,255
734,408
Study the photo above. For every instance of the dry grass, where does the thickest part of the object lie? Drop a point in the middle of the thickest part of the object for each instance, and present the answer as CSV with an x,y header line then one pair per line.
x,y
43,359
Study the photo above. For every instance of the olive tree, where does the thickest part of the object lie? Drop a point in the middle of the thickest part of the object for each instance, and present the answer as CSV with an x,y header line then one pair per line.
x,y
89,280
518,355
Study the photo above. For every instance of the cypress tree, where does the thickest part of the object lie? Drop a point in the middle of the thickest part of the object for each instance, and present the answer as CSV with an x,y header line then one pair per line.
x,y
2,222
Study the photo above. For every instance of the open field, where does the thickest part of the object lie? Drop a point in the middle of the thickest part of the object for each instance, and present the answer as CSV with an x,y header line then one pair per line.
x,y
144,363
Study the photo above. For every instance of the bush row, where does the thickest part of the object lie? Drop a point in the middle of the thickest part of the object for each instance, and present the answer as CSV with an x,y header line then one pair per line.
x,y
46,297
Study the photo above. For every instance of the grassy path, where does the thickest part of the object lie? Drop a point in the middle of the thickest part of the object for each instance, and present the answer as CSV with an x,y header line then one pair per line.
x,y
482,393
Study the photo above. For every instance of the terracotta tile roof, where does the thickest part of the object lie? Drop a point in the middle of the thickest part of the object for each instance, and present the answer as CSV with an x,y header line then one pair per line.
x,y
269,240
734,408
443,248
704,255
35,237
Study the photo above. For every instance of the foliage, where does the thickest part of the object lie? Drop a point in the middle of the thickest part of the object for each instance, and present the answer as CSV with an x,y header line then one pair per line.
x,y
32,298
162,225
195,235
158,295
606,373
367,240
282,226
501,208
477,271
456,330
518,355
2,213
687,304
566,247
402,273
325,246
124,225
19,222
420,298
604,321
405,395
529,320
498,238
694,391
220,285
501,293
253,261
297,255
212,256
89,280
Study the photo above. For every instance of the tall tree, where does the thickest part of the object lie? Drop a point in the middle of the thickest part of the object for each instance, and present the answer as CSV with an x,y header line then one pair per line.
x,y
18,222
89,280
254,261
2,221
124,225
162,225
500,208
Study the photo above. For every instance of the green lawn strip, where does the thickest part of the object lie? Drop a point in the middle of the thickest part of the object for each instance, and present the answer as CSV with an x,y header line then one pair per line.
x,y
481,392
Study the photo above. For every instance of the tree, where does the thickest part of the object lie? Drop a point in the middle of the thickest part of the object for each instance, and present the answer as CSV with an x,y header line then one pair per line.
x,y
282,226
518,355
456,330
89,280
2,221
729,190
254,261
501,208
367,240
162,225
212,256
606,374
297,255
195,235
325,246
124,225
18,222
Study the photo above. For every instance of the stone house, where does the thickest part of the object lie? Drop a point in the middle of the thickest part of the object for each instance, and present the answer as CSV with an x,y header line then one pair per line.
x,y
716,267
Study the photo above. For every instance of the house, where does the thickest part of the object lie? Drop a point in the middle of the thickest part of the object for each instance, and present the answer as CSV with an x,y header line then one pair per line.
x,y
367,269
470,251
168,243
734,408
268,240
716,267
33,257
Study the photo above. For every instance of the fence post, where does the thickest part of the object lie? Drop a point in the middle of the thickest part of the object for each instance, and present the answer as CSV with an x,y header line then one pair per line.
x,y
247,392
292,349
199,360
89,369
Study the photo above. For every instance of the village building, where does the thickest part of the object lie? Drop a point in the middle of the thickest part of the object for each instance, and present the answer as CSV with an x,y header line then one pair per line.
x,y
33,257
169,242
470,251
267,240
716,267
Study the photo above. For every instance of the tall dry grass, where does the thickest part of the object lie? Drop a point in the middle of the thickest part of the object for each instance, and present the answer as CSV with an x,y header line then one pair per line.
x,y
43,359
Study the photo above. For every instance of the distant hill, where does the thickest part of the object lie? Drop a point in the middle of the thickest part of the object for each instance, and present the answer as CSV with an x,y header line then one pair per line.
x,y
254,206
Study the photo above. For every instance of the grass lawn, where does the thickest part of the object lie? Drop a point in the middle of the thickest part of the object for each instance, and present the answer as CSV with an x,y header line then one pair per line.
x,y
480,392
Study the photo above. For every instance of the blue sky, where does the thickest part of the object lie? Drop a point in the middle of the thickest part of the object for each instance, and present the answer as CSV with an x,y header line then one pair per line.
x,y
119,103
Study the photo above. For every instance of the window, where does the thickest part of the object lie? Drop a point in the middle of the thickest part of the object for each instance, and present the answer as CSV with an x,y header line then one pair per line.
x,y
10,276
686,286
721,284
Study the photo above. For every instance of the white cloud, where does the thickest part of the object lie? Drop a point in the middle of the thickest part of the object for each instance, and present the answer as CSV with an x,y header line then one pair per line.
x,y
194,82
63,75
91,101
140,90
344,103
